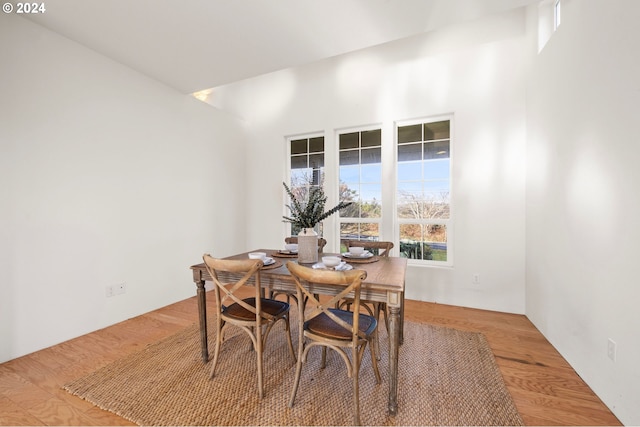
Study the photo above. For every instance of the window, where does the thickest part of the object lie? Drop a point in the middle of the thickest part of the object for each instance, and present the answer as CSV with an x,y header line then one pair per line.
x,y
306,165
360,180
423,192
549,18
556,14
399,183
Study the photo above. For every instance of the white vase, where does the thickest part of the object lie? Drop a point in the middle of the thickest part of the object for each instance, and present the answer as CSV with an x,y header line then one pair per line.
x,y
307,246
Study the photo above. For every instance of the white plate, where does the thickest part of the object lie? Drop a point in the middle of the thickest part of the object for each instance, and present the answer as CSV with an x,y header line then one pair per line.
x,y
343,266
366,254
268,261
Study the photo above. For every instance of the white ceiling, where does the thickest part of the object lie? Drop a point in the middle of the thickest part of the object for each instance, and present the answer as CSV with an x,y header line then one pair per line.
x,y
192,45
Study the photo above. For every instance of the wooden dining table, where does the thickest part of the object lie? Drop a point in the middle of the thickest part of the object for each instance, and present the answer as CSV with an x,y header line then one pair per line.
x,y
384,283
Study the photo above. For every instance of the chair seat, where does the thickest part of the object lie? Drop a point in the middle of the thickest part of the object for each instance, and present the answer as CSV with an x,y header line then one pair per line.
x,y
323,325
273,307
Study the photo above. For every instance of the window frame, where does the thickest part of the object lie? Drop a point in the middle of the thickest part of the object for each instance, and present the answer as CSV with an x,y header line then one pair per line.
x,y
557,14
323,171
388,221
359,220
397,221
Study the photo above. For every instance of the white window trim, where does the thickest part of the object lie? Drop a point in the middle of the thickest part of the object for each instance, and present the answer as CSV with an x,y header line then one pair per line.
x,y
287,172
339,219
389,223
449,222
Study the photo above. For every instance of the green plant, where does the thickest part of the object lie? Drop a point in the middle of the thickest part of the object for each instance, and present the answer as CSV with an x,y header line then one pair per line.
x,y
307,212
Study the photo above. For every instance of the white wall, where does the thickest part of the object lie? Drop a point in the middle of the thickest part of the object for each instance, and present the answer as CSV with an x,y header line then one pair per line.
x,y
582,201
106,176
476,72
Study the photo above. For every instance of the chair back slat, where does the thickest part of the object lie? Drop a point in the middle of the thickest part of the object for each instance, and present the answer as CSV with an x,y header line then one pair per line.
x,y
305,277
226,293
381,247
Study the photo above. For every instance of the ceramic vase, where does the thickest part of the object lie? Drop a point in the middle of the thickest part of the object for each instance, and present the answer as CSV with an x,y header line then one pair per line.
x,y
307,246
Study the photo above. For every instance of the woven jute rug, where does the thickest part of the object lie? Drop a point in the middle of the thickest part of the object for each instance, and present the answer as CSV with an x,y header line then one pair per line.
x,y
446,377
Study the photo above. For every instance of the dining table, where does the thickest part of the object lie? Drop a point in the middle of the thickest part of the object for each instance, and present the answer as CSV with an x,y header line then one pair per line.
x,y
384,283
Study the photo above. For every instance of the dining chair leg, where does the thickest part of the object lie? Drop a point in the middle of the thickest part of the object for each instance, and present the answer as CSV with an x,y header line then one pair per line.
x,y
376,340
374,363
296,381
288,331
356,388
216,352
259,347
323,359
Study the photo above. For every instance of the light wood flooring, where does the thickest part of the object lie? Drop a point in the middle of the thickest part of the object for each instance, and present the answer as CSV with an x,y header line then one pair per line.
x,y
545,389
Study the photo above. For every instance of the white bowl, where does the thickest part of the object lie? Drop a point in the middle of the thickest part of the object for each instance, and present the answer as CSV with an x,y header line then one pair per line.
x,y
291,247
356,250
257,255
331,261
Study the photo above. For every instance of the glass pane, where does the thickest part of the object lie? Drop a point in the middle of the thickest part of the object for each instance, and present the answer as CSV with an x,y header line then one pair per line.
x,y
410,208
436,169
371,155
409,171
349,173
369,231
410,189
435,238
349,157
299,176
436,130
370,209
411,133
410,241
436,190
351,211
427,242
299,146
409,152
316,145
349,230
371,173
349,140
436,150
371,192
298,162
316,161
370,197
316,177
371,138
436,208
410,200
357,231
350,193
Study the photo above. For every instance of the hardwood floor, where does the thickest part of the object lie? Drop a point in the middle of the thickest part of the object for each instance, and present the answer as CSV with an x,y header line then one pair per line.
x,y
546,390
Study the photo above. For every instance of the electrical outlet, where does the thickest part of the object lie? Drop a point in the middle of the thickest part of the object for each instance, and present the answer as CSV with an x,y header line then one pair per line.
x,y
113,290
120,288
475,279
611,349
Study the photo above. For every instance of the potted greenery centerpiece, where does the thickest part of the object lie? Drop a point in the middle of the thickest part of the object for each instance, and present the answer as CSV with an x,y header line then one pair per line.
x,y
305,213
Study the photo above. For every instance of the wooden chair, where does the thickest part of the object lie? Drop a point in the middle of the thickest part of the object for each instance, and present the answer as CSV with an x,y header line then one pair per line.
x,y
321,242
249,314
374,308
294,239
379,248
341,330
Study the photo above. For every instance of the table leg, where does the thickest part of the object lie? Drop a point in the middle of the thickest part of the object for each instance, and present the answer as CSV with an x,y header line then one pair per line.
x,y
202,316
394,344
